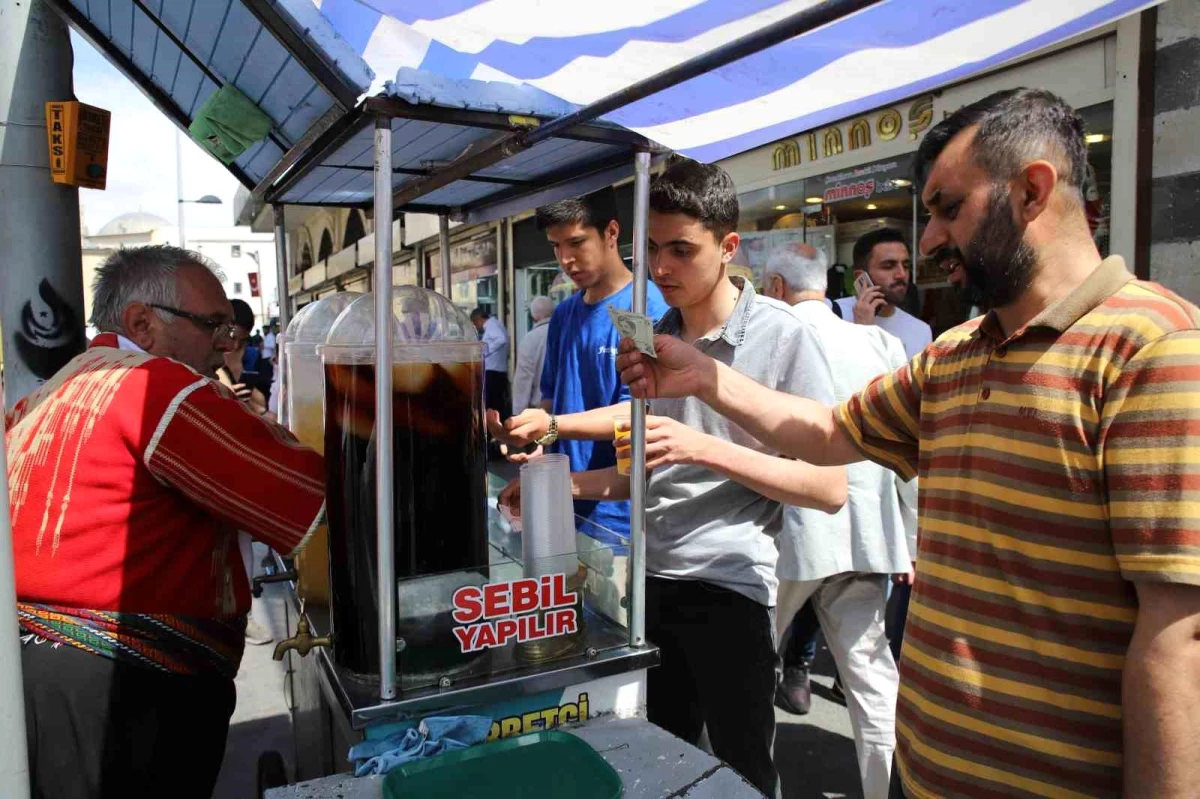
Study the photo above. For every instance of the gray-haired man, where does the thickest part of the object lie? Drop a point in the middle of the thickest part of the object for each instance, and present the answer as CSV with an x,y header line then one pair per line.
x,y
131,471
531,355
842,562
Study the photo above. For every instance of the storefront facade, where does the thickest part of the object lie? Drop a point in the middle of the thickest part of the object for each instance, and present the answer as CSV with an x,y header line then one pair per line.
x,y
830,186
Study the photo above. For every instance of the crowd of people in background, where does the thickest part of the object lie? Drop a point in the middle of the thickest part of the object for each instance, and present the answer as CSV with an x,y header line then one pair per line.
x,y
1044,604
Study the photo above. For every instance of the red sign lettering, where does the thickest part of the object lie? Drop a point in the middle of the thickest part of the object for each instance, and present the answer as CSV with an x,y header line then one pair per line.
x,y
522,610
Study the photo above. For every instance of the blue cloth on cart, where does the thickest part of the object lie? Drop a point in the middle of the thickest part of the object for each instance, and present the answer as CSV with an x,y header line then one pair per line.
x,y
432,736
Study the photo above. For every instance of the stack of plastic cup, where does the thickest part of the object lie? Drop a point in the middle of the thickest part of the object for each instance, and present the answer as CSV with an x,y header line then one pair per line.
x,y
547,517
548,544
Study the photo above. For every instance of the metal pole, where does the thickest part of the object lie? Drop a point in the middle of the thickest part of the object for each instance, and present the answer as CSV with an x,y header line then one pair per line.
x,y
384,528
281,268
41,306
281,297
179,185
637,474
444,250
14,765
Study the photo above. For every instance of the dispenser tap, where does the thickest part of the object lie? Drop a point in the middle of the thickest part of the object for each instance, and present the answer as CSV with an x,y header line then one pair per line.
x,y
303,641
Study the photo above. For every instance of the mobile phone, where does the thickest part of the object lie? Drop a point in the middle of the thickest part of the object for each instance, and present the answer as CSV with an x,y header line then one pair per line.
x,y
861,283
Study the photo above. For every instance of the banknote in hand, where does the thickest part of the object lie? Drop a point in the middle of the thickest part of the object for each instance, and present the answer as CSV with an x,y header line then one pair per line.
x,y
634,326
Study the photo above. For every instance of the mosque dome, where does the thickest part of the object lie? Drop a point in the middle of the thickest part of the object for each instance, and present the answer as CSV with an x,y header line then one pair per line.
x,y
132,223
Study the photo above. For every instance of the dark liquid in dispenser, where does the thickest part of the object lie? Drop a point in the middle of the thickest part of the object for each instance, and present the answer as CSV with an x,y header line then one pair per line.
x,y
440,503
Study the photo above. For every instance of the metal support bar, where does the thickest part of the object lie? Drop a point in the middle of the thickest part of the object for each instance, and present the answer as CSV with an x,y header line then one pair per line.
x,y
786,28
329,119
420,173
384,527
444,252
327,75
597,133
637,474
281,267
285,316
457,170
324,146
14,763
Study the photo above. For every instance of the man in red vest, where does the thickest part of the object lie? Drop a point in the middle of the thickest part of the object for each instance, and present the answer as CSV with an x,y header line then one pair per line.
x,y
130,473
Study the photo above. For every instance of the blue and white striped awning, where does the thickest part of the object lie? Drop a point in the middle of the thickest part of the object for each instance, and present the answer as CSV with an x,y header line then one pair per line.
x,y
582,51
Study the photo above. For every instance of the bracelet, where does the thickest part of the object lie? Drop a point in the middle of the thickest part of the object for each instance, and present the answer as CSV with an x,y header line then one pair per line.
x,y
551,434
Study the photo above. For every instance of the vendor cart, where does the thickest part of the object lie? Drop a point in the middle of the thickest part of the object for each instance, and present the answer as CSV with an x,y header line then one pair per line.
x,y
430,144
599,667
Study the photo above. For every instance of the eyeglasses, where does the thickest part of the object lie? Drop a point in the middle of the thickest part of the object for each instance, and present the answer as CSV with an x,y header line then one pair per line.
x,y
220,330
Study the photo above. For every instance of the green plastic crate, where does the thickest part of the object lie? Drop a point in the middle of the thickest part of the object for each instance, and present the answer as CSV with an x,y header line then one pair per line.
x,y
540,764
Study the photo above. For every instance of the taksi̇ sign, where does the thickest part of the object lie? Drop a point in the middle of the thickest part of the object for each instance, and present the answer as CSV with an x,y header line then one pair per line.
x,y
518,611
77,137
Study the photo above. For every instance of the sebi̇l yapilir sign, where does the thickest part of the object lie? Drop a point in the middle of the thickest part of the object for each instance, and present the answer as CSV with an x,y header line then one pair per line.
x,y
866,181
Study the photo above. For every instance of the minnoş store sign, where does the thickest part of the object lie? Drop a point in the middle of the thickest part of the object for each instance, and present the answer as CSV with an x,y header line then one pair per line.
x,y
866,181
856,134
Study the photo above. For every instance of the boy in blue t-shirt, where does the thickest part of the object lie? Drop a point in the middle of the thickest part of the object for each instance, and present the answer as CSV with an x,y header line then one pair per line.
x,y
579,373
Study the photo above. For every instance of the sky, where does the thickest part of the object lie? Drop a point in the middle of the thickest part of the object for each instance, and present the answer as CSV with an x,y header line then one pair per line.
x,y
141,154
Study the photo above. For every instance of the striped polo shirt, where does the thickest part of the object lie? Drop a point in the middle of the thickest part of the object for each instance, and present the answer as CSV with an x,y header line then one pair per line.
x,y
1058,466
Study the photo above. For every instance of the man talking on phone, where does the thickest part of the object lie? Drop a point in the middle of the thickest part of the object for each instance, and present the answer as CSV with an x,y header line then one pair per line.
x,y
882,266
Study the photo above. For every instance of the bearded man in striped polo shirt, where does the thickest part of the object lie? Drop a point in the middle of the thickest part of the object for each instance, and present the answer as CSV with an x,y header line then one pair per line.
x,y
1053,643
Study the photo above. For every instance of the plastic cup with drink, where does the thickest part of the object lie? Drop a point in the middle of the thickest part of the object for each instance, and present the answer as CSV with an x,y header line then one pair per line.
x,y
621,426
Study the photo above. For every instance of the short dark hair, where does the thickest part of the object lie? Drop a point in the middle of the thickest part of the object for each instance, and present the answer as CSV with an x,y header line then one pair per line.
x,y
480,313
702,191
594,210
867,242
1015,127
243,314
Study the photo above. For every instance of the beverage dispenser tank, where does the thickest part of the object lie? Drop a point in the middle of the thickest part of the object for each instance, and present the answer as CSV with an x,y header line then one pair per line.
x,y
439,476
304,394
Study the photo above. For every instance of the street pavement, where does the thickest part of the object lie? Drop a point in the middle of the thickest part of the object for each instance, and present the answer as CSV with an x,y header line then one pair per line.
x,y
815,753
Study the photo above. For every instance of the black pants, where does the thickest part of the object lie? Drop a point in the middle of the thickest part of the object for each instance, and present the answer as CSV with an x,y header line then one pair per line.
x,y
497,395
718,670
98,728
896,788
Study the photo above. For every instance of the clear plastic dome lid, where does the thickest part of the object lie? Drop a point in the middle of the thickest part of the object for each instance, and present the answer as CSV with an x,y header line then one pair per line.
x,y
311,324
419,317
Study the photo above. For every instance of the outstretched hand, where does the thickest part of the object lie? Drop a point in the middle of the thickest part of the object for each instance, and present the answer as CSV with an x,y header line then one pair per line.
x,y
680,370
516,434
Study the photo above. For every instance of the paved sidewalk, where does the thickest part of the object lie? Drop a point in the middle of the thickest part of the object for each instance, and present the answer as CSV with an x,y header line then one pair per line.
x,y
261,721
